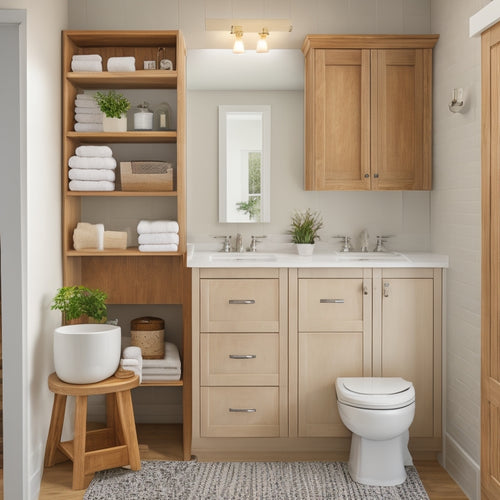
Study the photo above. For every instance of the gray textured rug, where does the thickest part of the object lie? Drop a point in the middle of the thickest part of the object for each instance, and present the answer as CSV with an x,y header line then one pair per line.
x,y
162,480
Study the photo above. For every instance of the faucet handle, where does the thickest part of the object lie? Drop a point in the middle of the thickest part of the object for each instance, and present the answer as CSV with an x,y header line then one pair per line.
x,y
347,242
380,242
226,244
255,240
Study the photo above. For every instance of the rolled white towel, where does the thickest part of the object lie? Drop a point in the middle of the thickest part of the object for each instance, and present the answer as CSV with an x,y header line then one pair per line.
x,y
158,248
88,127
129,362
87,110
135,367
150,378
91,174
92,162
87,57
98,151
132,352
89,117
157,226
158,238
86,66
121,64
91,186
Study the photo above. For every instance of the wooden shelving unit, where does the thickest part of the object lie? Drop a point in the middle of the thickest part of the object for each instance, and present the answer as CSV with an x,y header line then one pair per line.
x,y
129,276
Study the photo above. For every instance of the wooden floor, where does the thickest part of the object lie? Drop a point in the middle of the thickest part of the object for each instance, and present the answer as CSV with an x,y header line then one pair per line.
x,y
164,442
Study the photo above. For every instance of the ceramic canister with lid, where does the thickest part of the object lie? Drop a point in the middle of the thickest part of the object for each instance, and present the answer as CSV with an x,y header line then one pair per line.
x,y
143,117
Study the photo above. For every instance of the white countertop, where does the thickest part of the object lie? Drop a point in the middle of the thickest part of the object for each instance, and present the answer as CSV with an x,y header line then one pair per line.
x,y
319,259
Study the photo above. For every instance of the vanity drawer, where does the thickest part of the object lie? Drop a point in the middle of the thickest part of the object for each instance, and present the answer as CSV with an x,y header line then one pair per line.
x,y
239,305
239,359
240,412
330,305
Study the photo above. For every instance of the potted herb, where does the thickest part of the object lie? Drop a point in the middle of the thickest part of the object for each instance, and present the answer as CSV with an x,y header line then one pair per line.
x,y
304,230
84,353
115,107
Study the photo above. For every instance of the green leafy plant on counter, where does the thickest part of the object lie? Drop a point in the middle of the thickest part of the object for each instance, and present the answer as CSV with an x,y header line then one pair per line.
x,y
305,226
77,301
112,104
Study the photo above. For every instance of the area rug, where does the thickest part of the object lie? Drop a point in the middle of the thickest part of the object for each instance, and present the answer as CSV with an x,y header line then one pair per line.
x,y
163,480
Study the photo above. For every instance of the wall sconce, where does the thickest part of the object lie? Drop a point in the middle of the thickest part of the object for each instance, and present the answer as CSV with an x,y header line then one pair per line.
x,y
262,42
456,104
238,47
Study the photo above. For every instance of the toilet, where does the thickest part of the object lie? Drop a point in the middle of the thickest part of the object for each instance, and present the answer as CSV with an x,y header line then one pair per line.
x,y
378,411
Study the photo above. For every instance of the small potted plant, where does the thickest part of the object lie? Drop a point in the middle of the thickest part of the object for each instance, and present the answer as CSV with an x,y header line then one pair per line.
x,y
304,230
84,353
115,107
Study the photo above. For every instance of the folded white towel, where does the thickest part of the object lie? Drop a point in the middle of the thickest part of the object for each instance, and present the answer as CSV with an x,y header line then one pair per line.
x,y
160,371
86,110
157,226
129,362
171,358
135,368
91,186
91,174
158,238
100,151
89,117
88,98
87,57
86,66
92,162
158,248
88,127
151,378
121,64
132,352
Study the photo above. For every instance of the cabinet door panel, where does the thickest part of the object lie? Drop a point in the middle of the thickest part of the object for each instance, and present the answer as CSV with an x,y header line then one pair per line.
x,y
322,358
408,343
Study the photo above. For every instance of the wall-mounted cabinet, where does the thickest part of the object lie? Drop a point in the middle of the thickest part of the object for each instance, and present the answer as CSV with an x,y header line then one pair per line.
x,y
128,275
368,109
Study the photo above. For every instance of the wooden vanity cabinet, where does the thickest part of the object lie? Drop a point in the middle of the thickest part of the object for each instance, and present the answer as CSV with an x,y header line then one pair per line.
x,y
368,112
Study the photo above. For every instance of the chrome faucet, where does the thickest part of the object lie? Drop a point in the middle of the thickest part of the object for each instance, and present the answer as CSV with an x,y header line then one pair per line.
x,y
226,245
347,242
253,243
364,240
380,243
239,243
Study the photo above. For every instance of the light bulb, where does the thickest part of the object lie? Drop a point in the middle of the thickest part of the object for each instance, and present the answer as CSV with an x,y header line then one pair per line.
x,y
262,42
238,47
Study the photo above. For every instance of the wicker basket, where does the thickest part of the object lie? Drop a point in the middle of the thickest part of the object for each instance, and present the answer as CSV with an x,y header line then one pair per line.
x,y
146,176
148,333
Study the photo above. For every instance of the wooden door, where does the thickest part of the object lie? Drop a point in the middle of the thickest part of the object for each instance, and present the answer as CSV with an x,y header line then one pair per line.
x,y
490,313
338,119
401,118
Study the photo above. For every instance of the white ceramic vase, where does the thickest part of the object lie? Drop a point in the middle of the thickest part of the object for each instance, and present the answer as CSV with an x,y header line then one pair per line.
x,y
114,124
86,353
305,249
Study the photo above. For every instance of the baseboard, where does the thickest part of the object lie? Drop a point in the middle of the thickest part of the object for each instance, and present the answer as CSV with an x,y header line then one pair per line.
x,y
462,468
36,465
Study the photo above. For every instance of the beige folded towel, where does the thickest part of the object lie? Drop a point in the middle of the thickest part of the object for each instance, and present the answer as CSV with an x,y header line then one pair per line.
x,y
115,240
88,236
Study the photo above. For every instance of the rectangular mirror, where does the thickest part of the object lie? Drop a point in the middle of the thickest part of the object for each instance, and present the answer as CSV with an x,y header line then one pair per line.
x,y
244,163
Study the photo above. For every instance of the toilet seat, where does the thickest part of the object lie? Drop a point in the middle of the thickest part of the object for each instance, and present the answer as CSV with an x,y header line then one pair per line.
x,y
375,393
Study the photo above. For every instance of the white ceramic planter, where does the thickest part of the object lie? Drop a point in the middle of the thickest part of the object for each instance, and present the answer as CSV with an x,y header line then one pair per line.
x,y
114,124
305,248
87,353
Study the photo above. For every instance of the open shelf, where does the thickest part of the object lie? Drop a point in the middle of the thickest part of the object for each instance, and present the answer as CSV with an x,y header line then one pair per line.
x,y
129,252
170,136
121,193
162,383
140,79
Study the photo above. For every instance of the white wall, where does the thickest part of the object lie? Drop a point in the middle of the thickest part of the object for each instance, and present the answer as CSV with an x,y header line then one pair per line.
x,y
43,246
456,230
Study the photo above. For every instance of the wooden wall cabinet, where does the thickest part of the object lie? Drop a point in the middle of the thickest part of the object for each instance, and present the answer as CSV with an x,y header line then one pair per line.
x,y
368,112
129,276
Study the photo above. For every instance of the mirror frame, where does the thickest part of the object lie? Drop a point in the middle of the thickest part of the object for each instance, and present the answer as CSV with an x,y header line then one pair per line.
x,y
265,111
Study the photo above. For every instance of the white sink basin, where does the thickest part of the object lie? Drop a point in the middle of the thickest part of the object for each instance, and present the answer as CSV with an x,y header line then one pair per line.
x,y
383,256
246,257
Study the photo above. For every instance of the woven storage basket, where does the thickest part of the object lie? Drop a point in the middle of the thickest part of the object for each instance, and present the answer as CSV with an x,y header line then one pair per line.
x,y
148,333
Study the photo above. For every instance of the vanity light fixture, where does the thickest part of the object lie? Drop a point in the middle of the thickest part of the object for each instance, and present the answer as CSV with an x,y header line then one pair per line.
x,y
262,42
238,47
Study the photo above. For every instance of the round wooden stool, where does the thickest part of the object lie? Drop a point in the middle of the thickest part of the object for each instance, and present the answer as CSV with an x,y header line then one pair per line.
x,y
95,450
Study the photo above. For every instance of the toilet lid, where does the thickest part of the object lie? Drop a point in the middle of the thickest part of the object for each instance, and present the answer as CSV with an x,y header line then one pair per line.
x,y
375,392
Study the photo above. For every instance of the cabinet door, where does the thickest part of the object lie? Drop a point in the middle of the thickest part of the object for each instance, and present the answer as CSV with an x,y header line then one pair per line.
x,y
338,120
322,358
408,343
401,119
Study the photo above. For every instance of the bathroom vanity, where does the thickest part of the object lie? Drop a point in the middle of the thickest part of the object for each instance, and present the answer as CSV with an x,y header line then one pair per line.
x,y
272,332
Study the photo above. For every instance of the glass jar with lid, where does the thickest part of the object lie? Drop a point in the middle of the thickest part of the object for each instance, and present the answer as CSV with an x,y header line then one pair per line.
x,y
143,117
162,117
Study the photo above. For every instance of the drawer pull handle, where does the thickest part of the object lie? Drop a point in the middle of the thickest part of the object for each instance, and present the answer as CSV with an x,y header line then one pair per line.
x,y
331,301
243,356
365,290
242,410
241,301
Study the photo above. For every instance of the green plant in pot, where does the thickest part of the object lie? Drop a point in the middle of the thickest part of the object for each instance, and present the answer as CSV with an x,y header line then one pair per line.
x,y
115,107
304,229
84,353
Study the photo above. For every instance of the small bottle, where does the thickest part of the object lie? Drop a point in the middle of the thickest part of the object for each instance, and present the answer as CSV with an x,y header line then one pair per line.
x,y
143,117
162,116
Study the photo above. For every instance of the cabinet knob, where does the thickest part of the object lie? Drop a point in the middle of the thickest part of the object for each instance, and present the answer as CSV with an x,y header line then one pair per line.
x,y
375,175
367,175
365,290
386,289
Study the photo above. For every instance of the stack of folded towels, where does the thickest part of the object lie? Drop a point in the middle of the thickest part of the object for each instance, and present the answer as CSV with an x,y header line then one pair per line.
x,y
93,237
87,62
158,235
168,368
132,360
92,169
88,115
116,64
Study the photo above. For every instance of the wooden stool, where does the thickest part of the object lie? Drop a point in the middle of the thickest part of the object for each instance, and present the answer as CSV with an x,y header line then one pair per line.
x,y
96,450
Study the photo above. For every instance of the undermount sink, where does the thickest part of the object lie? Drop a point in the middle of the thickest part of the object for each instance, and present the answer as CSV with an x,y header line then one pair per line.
x,y
247,257
372,256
